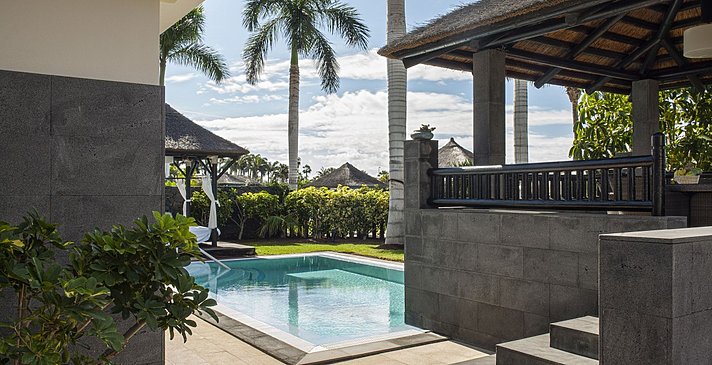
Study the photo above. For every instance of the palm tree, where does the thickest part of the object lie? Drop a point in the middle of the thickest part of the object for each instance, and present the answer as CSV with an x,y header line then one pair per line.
x,y
306,171
299,22
281,173
574,95
521,123
183,44
272,171
397,89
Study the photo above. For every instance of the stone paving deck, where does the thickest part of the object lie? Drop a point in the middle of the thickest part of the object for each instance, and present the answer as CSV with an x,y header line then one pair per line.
x,y
211,345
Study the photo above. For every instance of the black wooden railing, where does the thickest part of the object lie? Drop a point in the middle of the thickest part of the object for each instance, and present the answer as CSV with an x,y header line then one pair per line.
x,y
628,183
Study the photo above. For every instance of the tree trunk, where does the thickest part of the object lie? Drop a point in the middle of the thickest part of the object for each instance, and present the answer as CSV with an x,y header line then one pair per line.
x,y
162,72
293,127
521,123
574,95
397,90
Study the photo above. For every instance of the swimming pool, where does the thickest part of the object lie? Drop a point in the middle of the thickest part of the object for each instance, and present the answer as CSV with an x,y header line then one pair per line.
x,y
322,299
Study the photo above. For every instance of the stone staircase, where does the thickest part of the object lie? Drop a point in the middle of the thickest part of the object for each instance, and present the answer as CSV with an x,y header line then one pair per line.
x,y
572,342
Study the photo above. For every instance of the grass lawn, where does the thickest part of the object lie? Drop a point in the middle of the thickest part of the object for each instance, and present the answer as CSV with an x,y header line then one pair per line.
x,y
367,248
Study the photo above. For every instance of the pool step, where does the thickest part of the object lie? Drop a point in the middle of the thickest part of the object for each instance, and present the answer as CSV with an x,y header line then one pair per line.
x,y
536,351
578,336
487,360
228,250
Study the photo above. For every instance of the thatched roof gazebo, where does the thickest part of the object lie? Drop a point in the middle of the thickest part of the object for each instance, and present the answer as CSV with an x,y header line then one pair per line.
x,y
630,47
346,175
185,138
453,155
190,147
594,45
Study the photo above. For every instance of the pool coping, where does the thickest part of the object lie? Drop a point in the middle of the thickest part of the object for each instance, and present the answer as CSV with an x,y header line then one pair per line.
x,y
293,350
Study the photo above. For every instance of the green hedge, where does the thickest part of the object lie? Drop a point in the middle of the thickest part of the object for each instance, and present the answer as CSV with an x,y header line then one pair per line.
x,y
308,212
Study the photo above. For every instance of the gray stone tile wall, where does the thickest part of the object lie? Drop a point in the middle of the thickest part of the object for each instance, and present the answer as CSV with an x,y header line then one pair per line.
x,y
656,297
85,154
490,276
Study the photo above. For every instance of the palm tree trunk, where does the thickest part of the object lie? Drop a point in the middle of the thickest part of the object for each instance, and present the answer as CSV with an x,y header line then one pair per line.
x,y
574,95
397,89
162,77
521,123
293,124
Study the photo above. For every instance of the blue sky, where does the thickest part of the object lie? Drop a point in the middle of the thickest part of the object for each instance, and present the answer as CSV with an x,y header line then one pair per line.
x,y
350,125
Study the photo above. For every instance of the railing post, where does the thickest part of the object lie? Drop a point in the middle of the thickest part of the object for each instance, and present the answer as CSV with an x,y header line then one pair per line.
x,y
420,156
658,142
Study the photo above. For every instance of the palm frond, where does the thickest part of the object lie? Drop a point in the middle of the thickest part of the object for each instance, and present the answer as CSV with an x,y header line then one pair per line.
x,y
277,225
258,44
326,63
258,9
187,30
202,58
344,20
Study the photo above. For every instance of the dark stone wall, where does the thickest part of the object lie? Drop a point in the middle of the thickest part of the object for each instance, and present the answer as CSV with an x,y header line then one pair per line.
x,y
486,276
85,154
490,276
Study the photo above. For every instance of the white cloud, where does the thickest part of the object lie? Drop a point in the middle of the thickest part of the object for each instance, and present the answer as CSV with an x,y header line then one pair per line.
x,y
247,99
367,66
238,84
176,79
353,127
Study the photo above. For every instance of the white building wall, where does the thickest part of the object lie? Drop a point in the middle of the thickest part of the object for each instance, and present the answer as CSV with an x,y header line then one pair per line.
x,y
115,40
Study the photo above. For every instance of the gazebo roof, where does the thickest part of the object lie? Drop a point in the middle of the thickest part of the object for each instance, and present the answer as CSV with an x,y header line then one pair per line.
x,y
346,175
590,44
453,155
185,138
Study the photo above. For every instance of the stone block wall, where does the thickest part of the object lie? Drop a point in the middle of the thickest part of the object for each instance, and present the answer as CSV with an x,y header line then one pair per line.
x,y
656,303
490,276
85,154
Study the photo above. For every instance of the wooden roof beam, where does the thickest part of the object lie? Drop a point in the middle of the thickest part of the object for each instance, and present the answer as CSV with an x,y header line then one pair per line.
x,y
453,65
613,10
412,61
579,48
434,50
513,32
622,64
662,9
639,23
573,66
650,44
675,54
568,45
649,59
689,69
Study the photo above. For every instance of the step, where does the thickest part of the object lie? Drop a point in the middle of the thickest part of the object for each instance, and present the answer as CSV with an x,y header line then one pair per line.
x,y
578,336
487,360
536,351
228,250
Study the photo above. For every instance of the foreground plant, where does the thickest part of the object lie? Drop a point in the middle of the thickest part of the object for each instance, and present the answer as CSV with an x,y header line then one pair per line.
x,y
137,273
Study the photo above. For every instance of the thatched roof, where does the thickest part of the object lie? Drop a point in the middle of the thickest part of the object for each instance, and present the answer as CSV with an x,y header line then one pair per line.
x,y
346,175
185,138
453,155
590,44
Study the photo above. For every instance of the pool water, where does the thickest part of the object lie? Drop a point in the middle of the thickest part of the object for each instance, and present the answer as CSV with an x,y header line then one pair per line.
x,y
322,299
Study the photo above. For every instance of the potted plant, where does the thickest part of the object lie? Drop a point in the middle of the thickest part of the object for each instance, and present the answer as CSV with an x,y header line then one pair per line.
x,y
424,133
688,174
